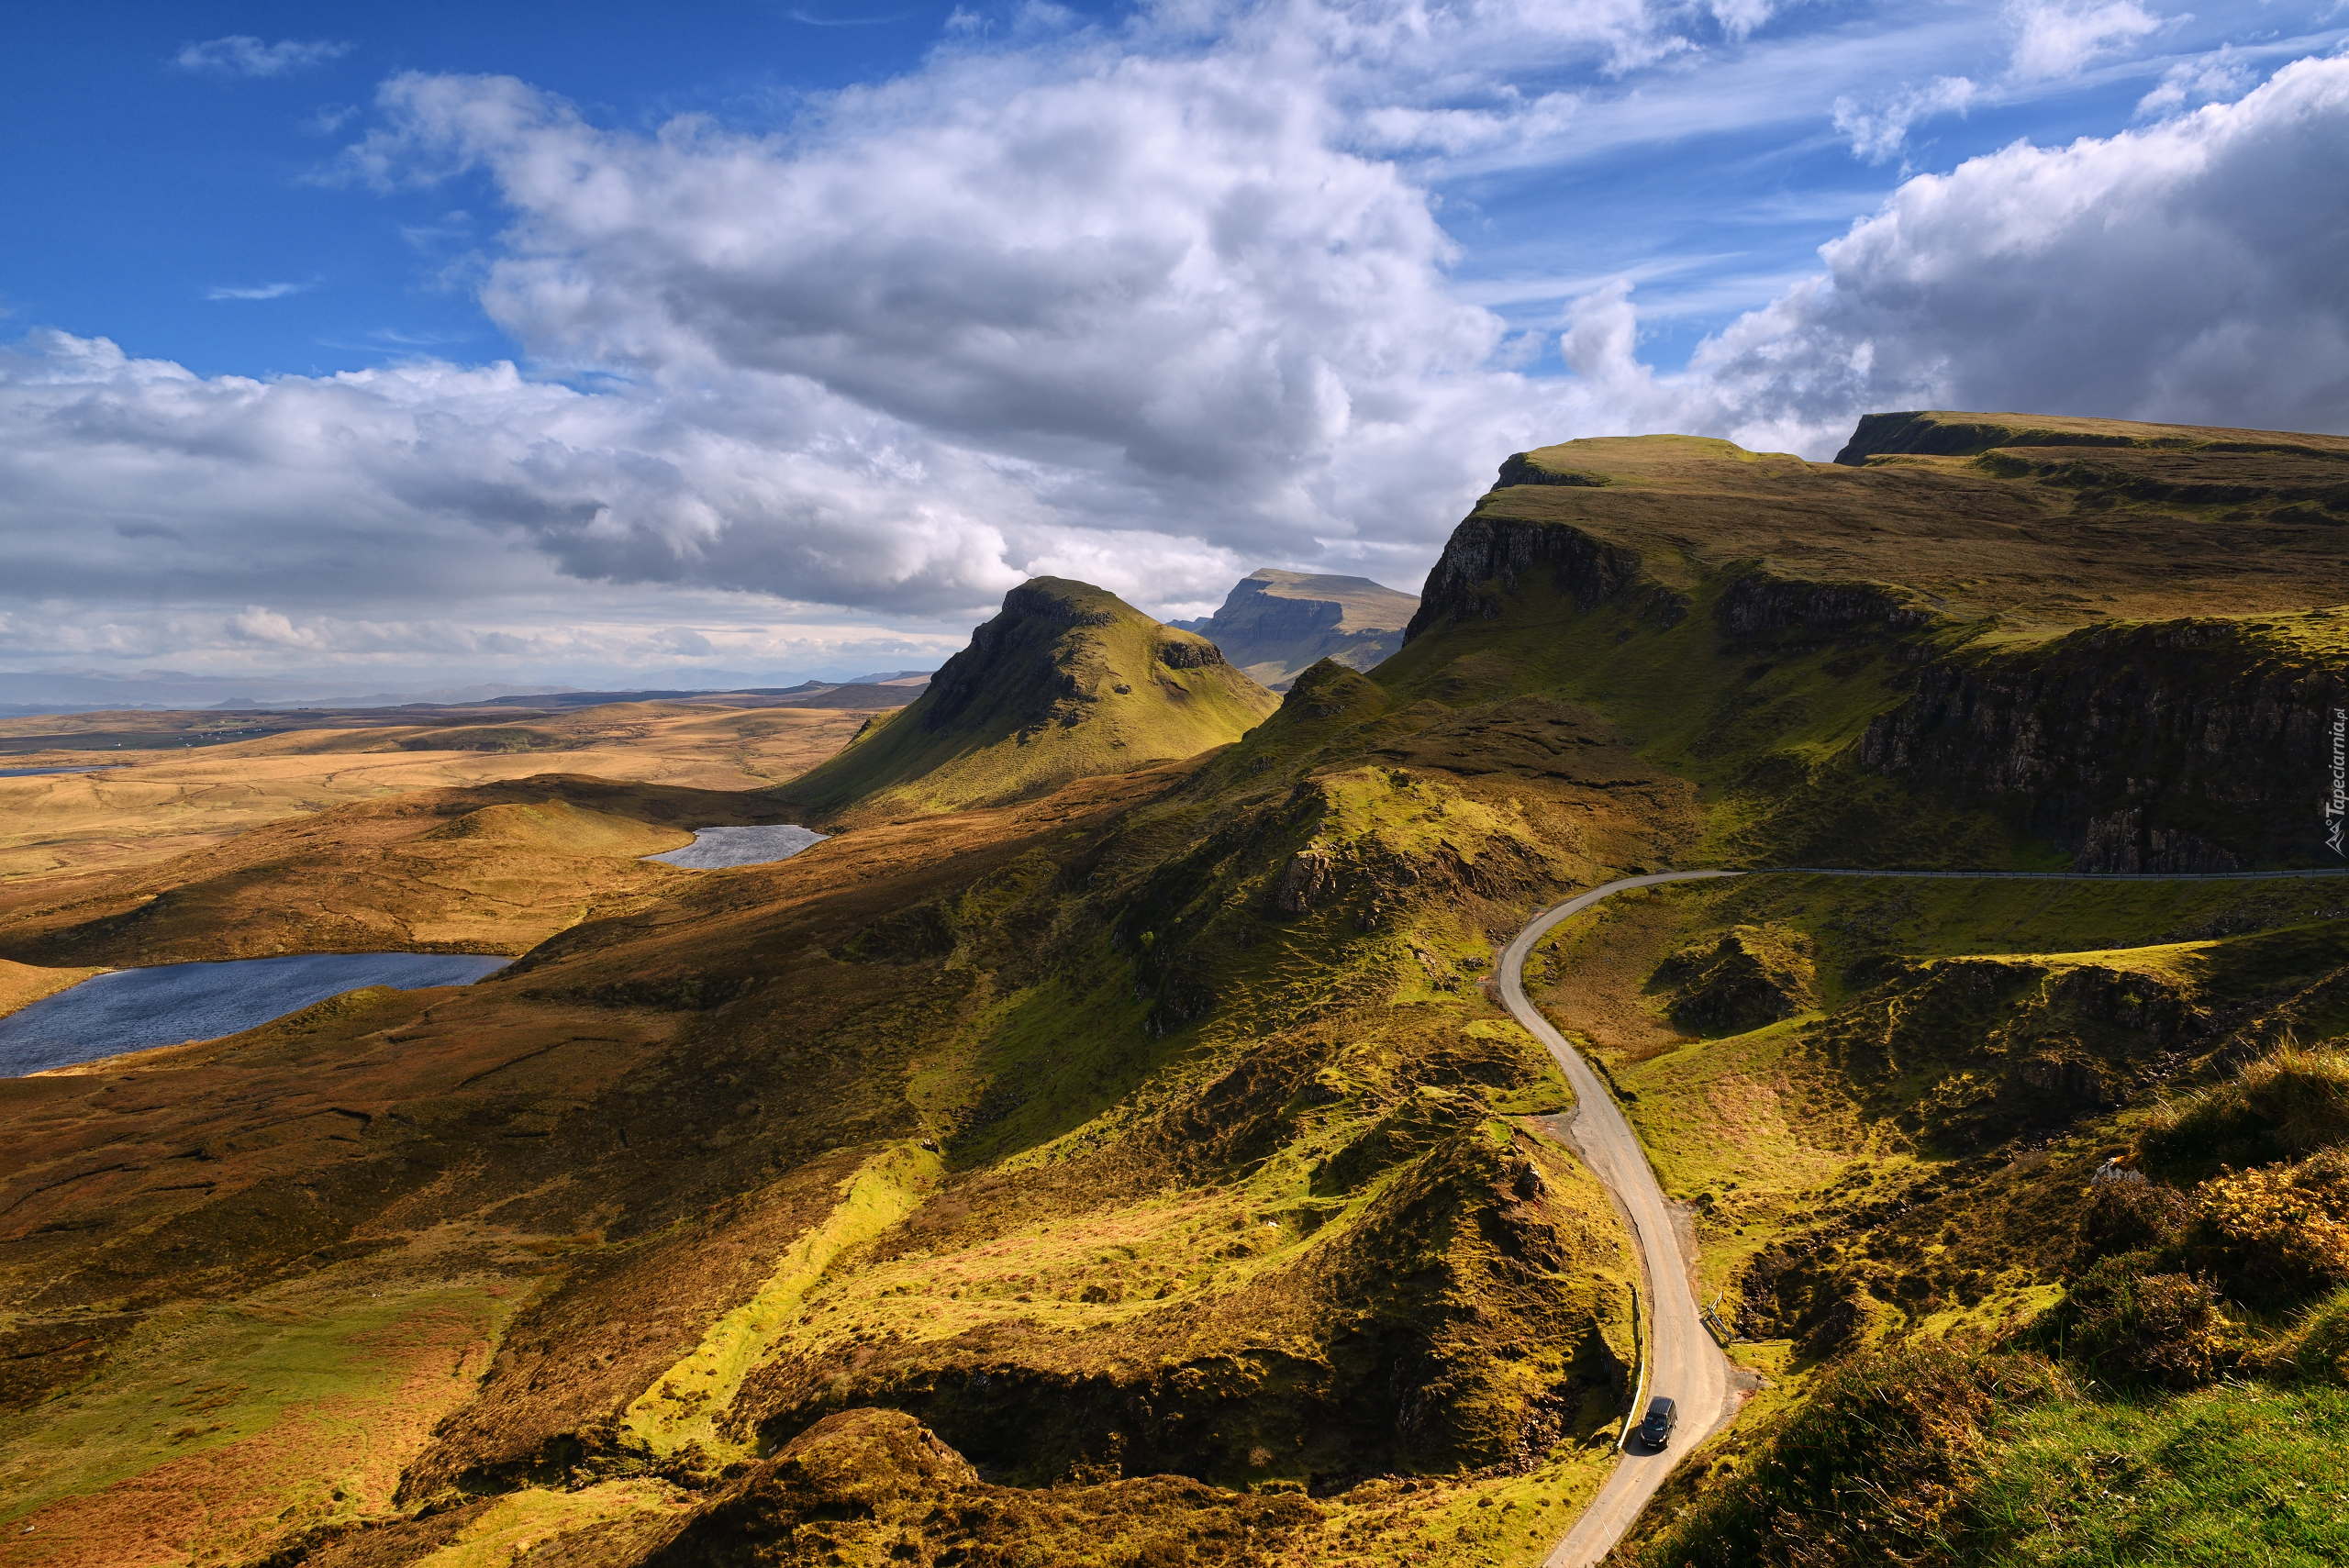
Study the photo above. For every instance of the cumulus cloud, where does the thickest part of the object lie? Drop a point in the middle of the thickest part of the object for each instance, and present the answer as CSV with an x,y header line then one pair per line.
x,y
1147,308
2189,271
409,475
1130,295
239,55
1159,270
2061,37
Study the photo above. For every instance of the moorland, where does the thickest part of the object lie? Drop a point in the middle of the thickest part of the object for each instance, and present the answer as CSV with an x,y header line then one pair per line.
x,y
1106,1147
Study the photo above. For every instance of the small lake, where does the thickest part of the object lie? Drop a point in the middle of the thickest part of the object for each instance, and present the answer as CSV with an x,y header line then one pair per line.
x,y
131,1009
85,768
715,849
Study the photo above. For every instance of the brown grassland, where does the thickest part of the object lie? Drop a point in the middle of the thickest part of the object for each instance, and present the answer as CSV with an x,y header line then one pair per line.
x,y
156,801
1111,1154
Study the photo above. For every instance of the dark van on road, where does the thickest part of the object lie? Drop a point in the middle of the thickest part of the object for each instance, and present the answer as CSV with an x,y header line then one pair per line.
x,y
1656,1431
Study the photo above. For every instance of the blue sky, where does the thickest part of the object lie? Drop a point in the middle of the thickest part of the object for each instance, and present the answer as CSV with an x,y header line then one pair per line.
x,y
595,342
143,193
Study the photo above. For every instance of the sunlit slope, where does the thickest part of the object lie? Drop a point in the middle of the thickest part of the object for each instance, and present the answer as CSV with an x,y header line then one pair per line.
x,y
1152,1149
1068,682
1931,660
1888,1102
152,803
1990,519
916,1121
496,868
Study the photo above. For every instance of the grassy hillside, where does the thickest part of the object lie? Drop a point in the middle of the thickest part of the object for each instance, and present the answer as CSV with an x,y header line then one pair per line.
x,y
1068,682
1134,1167
1979,1352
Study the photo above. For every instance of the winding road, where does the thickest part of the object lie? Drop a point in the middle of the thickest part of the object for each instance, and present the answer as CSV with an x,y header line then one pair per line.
x,y
1678,1356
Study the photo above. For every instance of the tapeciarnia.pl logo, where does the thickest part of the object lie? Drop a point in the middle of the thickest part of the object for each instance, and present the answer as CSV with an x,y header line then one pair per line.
x,y
2336,805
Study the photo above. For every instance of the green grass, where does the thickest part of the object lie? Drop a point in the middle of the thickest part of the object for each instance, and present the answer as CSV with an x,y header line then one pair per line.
x,y
680,1408
1761,724
1955,1458
305,1398
1067,683
508,1529
1787,1135
2240,1474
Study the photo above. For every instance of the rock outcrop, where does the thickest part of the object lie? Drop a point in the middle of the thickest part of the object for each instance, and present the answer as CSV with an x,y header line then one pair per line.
x,y
1920,592
2189,746
1762,603
1486,557
1274,625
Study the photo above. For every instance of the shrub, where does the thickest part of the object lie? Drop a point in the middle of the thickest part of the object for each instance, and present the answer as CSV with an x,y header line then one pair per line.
x,y
1749,976
1876,1468
2130,1217
2129,1320
2276,1233
2288,1105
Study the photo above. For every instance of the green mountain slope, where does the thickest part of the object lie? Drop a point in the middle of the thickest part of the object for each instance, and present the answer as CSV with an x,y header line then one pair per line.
x,y
1894,664
1140,1171
1068,682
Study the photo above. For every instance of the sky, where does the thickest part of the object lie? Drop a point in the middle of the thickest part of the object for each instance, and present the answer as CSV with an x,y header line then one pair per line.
x,y
602,344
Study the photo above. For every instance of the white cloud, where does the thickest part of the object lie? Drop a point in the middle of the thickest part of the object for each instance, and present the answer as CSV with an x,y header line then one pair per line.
x,y
239,55
1401,127
1148,309
580,634
2061,37
2212,78
264,291
2189,271
1879,129
411,481
1140,295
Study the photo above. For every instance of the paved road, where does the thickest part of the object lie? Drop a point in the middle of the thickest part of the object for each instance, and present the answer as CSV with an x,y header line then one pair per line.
x,y
1680,1357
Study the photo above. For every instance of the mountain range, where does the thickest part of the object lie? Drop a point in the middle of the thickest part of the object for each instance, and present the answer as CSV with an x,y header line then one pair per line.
x,y
1111,1144
1274,625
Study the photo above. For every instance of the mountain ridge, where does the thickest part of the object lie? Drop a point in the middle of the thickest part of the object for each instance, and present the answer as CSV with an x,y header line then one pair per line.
x,y
1275,623
1067,680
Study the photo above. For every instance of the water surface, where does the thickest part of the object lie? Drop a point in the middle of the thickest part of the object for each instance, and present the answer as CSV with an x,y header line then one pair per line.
x,y
131,1009
714,849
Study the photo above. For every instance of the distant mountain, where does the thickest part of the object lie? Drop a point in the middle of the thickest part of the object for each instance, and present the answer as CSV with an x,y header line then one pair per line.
x,y
1068,681
1275,624
32,692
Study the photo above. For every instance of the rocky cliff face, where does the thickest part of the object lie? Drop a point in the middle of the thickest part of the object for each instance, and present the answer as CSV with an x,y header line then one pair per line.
x,y
1488,557
2189,746
1758,603
1274,624
1018,647
2165,742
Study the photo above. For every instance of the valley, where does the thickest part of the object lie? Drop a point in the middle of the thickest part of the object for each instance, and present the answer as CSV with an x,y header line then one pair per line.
x,y
1136,1134
199,782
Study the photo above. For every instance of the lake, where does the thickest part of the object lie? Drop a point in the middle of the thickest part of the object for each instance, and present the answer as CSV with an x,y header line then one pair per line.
x,y
714,849
130,1009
